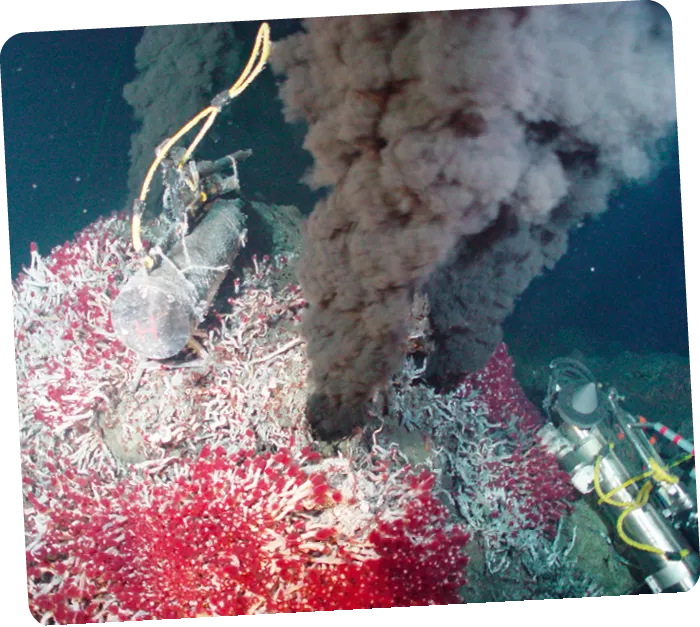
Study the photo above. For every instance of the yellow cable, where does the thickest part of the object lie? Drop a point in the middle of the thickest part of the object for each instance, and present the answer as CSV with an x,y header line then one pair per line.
x,y
656,473
256,63
136,232
261,49
602,497
685,458
639,501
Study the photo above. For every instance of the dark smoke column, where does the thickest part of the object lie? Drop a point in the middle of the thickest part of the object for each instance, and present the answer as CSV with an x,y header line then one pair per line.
x,y
459,148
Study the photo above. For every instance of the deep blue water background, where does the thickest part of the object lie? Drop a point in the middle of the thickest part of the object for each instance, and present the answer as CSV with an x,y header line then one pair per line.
x,y
67,131
623,277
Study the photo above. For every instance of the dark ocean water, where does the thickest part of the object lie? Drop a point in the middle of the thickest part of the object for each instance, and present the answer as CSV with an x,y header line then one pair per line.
x,y
623,277
67,131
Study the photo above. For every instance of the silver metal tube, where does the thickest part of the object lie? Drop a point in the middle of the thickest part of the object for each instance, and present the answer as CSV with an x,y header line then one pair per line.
x,y
156,312
667,571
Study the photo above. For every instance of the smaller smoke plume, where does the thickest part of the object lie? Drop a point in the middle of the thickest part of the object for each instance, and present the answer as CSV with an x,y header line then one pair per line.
x,y
178,68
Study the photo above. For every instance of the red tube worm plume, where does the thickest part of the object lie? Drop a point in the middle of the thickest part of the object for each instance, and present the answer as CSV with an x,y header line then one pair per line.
x,y
500,392
531,477
235,534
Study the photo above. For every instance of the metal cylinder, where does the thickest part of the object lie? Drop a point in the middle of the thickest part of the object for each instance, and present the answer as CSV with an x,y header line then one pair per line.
x,y
577,450
157,311
647,526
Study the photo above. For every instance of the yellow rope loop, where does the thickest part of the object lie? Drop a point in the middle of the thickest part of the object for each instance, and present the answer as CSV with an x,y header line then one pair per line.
x,y
256,63
261,49
602,496
658,473
639,502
